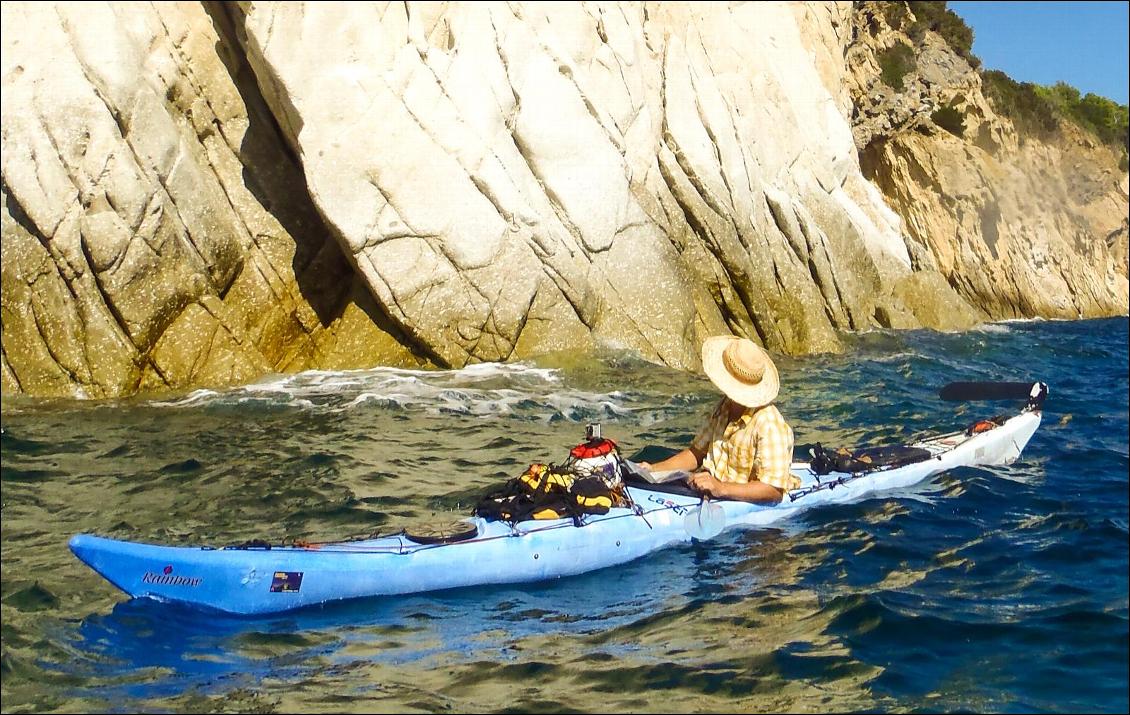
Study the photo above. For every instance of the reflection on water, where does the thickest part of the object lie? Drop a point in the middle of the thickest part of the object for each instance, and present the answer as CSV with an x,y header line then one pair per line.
x,y
981,590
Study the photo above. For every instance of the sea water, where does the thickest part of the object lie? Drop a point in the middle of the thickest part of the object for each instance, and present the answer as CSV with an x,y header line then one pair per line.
x,y
983,589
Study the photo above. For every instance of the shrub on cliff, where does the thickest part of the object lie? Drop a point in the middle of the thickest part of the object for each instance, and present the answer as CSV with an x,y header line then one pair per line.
x,y
1033,109
950,119
1022,102
896,62
935,16
1038,110
1105,118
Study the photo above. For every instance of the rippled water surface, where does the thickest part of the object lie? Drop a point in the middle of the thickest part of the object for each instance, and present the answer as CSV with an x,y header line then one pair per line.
x,y
1001,589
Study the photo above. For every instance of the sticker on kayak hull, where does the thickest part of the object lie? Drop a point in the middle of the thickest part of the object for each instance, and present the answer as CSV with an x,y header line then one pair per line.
x,y
168,578
286,582
673,506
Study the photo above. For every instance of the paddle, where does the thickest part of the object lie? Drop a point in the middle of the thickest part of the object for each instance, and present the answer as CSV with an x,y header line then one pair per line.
x,y
705,521
956,391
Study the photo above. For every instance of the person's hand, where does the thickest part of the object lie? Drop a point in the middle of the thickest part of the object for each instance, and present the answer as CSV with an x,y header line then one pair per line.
x,y
705,484
646,465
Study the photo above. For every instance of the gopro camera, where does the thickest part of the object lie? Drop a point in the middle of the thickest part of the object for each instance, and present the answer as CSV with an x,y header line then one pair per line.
x,y
592,432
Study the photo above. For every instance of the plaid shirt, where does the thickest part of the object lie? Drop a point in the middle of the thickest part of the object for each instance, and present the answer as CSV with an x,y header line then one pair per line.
x,y
757,445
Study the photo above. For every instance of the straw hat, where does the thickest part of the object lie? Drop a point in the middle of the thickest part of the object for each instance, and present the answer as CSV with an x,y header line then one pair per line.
x,y
740,369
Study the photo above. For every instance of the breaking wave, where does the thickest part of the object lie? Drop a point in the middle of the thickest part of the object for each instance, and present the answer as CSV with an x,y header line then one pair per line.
x,y
486,389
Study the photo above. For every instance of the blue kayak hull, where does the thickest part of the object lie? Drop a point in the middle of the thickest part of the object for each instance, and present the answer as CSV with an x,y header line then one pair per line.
x,y
252,581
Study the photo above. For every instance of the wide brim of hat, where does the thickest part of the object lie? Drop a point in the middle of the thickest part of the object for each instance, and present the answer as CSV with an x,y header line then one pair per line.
x,y
743,393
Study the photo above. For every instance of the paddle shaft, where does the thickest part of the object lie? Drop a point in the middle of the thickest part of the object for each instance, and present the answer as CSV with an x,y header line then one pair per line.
x,y
965,391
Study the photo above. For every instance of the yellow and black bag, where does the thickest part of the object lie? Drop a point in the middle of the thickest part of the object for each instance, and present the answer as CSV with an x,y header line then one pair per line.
x,y
547,492
592,495
541,478
541,492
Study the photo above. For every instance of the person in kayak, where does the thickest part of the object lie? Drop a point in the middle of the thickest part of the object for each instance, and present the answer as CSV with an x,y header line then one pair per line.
x,y
745,449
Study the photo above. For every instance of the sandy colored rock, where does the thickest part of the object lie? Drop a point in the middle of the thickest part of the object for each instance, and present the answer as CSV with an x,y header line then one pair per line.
x,y
923,298
1019,227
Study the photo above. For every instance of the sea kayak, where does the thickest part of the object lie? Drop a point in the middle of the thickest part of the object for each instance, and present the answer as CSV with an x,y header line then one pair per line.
x,y
260,579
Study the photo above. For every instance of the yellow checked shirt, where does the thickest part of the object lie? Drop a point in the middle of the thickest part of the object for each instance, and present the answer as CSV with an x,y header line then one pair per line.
x,y
756,446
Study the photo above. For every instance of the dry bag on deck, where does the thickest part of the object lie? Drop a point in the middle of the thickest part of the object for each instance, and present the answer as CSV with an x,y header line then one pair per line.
x,y
592,496
863,460
588,482
516,501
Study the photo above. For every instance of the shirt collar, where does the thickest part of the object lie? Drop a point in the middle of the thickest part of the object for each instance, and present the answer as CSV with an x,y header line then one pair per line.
x,y
745,416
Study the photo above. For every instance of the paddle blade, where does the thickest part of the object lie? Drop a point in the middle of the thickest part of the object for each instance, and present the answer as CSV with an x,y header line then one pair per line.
x,y
986,391
705,521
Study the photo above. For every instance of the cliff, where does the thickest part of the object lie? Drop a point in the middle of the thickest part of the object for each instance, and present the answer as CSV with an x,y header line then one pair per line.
x,y
198,194
1020,227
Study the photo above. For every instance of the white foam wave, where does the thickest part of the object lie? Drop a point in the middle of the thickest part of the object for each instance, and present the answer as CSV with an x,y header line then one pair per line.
x,y
896,357
487,389
192,398
1037,319
992,328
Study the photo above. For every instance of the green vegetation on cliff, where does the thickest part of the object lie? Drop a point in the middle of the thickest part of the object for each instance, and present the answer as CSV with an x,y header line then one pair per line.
x,y
1107,119
1038,110
896,62
1031,113
935,16
1035,110
950,119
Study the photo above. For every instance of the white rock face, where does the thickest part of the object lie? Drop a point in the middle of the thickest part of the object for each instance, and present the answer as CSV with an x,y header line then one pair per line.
x,y
138,247
493,168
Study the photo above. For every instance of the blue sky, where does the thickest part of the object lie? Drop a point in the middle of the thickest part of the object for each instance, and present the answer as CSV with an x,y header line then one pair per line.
x,y
1082,43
